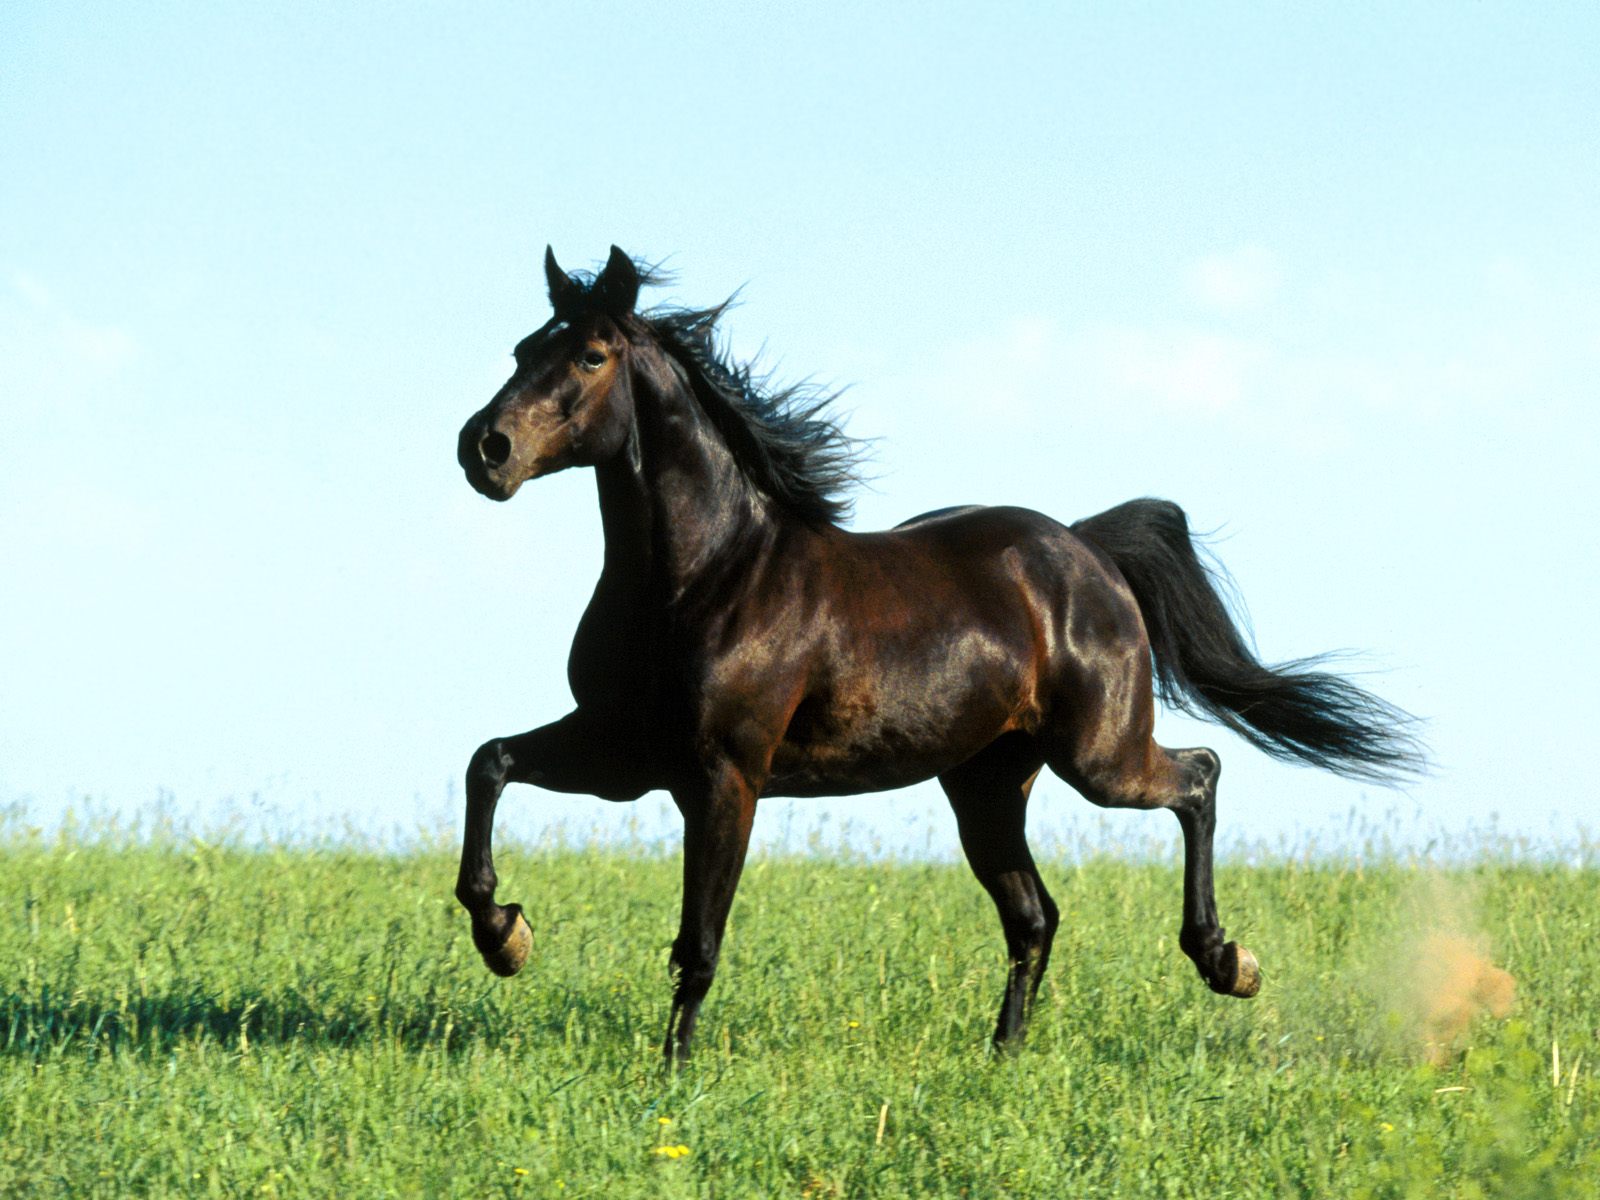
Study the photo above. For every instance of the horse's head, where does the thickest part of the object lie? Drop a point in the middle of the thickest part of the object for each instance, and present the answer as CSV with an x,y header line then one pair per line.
x,y
569,402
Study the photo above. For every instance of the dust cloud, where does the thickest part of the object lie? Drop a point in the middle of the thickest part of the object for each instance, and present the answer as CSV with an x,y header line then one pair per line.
x,y
1454,983
1450,979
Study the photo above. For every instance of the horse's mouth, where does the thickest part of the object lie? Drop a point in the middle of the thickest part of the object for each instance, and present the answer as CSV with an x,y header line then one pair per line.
x,y
485,483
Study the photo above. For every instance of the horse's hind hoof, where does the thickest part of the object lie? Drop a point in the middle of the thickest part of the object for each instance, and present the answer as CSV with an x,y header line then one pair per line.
x,y
511,954
1246,974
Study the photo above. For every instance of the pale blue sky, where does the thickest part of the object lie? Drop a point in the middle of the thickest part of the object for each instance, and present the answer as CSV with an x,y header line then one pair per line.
x,y
1328,279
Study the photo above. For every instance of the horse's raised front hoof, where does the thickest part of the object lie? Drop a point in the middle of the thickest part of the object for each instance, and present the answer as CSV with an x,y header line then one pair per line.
x,y
511,954
1247,972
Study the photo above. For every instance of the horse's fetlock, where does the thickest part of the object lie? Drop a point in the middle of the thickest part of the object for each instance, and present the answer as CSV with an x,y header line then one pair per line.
x,y
1202,944
475,893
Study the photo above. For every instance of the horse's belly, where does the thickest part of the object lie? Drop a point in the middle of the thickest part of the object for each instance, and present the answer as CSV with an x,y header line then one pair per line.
x,y
834,752
842,777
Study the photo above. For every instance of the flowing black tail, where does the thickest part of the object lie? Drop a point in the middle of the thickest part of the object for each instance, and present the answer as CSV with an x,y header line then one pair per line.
x,y
1203,666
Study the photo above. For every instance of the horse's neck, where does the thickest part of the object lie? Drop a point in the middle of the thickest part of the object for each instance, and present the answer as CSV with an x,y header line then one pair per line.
x,y
674,504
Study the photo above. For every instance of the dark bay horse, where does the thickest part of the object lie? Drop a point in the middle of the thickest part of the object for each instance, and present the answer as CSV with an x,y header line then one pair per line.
x,y
741,644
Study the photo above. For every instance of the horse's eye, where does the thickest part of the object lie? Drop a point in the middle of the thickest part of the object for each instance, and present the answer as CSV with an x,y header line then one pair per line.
x,y
592,359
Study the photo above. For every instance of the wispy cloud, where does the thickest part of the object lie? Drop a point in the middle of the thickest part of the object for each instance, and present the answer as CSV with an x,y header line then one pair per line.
x,y
1186,369
69,513
83,341
1312,370
49,355
1238,280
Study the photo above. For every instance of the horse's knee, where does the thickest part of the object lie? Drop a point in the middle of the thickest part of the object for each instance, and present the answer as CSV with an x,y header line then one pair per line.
x,y
486,772
1052,918
1030,930
693,965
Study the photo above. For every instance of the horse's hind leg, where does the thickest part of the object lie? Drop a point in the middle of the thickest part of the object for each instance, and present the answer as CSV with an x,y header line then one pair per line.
x,y
1226,966
989,794
1145,775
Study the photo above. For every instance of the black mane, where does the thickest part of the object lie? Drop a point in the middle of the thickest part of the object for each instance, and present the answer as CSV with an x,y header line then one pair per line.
x,y
783,438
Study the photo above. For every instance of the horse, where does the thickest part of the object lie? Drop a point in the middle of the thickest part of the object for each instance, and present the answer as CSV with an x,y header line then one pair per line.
x,y
741,643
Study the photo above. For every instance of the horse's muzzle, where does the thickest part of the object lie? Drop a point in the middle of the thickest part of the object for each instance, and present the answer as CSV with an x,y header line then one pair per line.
x,y
483,454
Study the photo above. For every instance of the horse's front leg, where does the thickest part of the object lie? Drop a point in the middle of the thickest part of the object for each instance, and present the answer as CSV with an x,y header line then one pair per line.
x,y
717,816
574,754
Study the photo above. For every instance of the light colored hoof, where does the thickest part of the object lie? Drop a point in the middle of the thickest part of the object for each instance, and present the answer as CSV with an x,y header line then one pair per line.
x,y
1247,977
513,952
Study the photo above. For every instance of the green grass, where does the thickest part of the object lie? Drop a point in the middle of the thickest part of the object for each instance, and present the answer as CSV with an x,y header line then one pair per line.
x,y
188,1019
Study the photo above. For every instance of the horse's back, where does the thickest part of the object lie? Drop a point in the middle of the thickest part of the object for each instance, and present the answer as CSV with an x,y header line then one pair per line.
x,y
938,636
973,533
950,510
1024,570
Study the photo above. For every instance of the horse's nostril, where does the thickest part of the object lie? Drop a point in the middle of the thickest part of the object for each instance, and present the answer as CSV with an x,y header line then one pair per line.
x,y
495,449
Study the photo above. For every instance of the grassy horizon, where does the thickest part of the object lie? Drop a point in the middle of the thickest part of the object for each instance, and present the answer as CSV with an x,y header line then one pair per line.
x,y
1366,834
188,1018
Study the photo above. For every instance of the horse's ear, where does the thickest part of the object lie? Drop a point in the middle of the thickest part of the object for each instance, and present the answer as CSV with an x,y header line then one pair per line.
x,y
618,284
563,292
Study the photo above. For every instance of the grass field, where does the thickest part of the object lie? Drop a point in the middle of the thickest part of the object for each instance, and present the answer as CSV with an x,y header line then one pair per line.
x,y
182,1018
